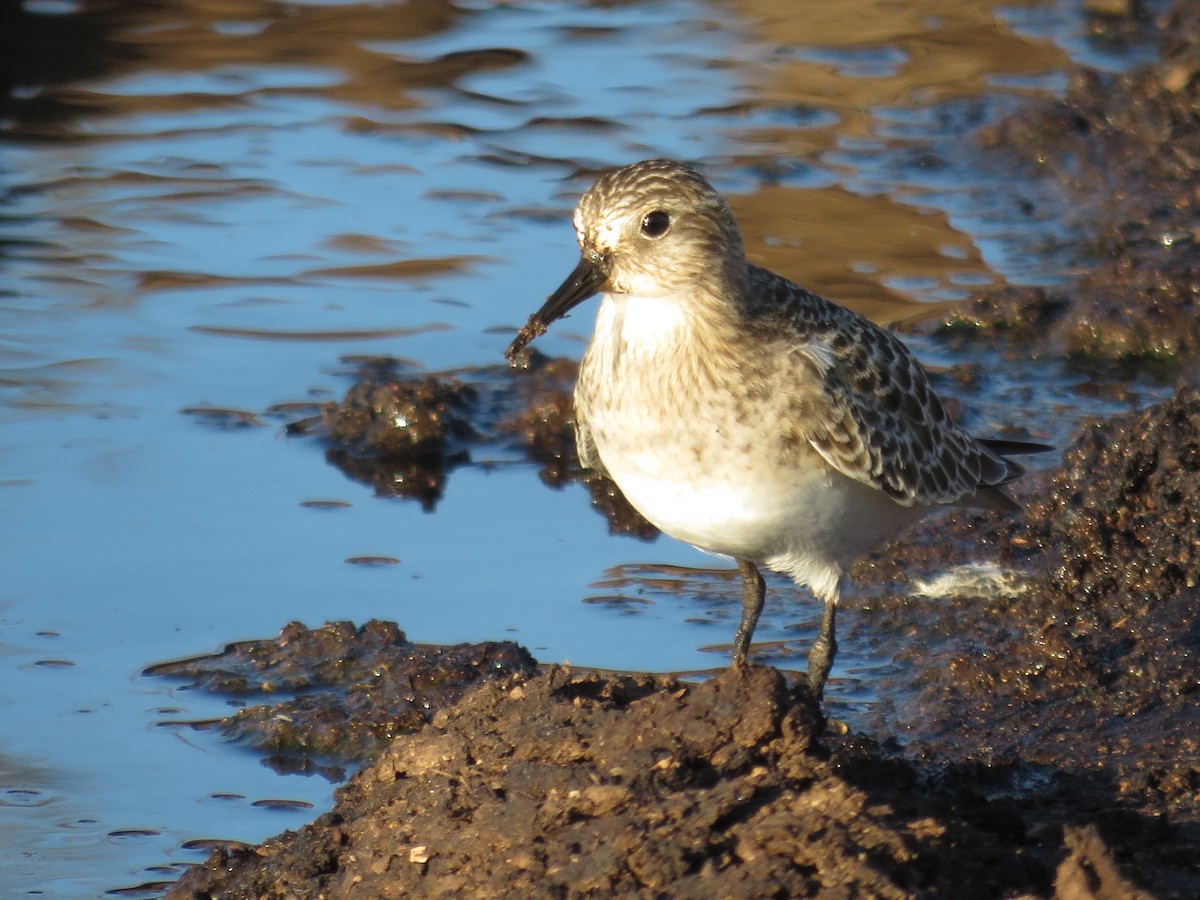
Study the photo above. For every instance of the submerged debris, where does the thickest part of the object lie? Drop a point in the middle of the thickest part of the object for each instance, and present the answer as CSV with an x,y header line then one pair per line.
x,y
223,418
400,434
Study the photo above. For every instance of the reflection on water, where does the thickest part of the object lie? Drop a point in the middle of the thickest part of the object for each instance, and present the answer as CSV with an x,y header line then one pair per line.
x,y
206,204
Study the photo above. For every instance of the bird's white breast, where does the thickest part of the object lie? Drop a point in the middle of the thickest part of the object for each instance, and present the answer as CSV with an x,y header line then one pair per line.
x,y
631,320
686,454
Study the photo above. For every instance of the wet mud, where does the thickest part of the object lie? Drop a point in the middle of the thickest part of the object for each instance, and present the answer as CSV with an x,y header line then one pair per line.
x,y
1080,679
582,785
1126,150
1038,734
337,693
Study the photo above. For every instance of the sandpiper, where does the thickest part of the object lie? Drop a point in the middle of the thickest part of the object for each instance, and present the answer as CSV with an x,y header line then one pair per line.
x,y
744,414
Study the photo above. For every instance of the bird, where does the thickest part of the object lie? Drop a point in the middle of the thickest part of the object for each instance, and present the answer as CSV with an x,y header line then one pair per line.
x,y
745,415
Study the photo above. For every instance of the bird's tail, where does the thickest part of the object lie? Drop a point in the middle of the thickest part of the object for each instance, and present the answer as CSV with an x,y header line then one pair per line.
x,y
991,494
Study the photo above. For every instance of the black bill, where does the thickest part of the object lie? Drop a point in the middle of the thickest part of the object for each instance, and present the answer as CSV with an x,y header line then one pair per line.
x,y
587,278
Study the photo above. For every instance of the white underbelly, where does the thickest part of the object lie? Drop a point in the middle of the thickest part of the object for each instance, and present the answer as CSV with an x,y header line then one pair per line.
x,y
810,525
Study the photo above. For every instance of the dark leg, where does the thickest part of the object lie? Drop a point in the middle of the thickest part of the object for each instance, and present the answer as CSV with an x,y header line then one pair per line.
x,y
824,648
754,591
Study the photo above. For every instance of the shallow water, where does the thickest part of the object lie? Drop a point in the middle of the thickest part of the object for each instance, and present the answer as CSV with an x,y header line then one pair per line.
x,y
211,206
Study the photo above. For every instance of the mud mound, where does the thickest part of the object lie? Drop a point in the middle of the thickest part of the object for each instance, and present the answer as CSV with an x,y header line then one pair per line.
x,y
574,786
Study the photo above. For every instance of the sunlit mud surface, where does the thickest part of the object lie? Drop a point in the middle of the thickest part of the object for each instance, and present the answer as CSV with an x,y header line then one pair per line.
x,y
215,217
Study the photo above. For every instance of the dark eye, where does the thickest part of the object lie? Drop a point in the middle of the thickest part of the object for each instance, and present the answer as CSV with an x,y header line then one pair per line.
x,y
655,224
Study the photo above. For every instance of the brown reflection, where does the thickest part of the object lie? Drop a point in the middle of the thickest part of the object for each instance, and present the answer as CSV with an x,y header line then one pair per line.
x,y
942,51
818,237
400,268
80,50
853,59
38,52
663,578
276,334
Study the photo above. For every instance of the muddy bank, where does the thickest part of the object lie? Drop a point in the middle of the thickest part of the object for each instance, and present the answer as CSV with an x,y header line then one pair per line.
x,y
1058,751
1036,739
1083,672
337,693
578,785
